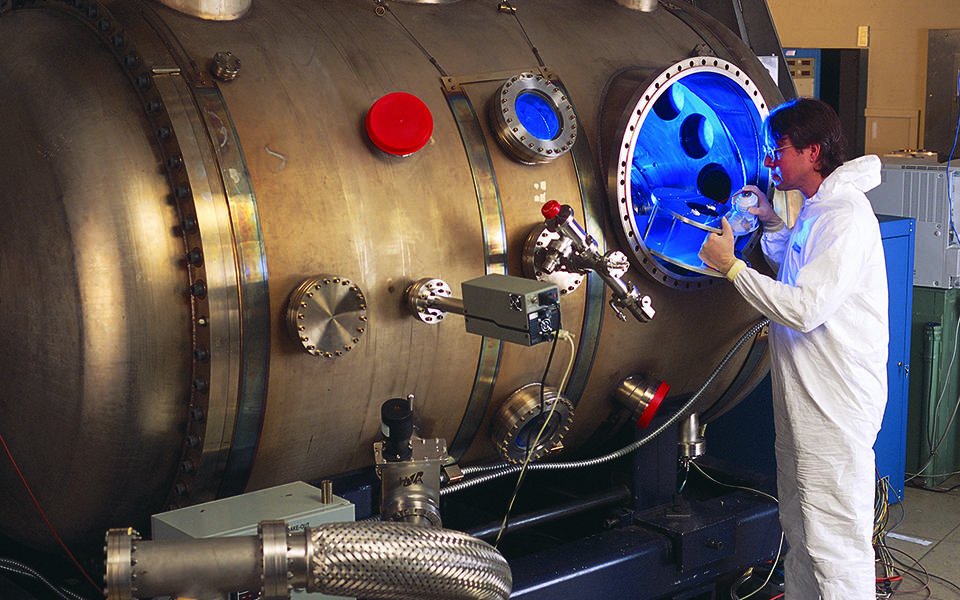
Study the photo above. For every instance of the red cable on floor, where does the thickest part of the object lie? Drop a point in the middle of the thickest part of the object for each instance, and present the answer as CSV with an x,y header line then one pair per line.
x,y
44,515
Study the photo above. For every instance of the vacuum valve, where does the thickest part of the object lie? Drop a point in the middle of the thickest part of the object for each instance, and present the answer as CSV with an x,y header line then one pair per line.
x,y
570,249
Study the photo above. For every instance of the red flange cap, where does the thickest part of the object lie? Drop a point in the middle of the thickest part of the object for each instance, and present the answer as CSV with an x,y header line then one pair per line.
x,y
550,209
651,409
399,123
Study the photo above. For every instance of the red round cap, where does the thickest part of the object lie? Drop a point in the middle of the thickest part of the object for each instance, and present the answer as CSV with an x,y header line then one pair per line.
x,y
651,409
399,123
550,209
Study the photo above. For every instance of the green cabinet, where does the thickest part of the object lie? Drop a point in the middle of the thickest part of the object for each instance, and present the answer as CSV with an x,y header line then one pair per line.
x,y
932,425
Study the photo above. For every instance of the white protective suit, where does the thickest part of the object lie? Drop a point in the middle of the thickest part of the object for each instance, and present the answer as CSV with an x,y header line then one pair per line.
x,y
828,346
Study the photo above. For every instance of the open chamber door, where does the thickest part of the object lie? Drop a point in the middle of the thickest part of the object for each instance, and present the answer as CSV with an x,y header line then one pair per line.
x,y
686,140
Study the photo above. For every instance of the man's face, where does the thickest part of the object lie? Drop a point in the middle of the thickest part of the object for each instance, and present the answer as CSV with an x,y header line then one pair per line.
x,y
789,167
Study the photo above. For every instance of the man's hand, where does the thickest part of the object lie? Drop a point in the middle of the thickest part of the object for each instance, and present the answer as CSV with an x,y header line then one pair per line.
x,y
717,249
764,210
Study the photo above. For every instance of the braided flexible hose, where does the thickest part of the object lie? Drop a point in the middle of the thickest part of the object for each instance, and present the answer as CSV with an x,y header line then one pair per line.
x,y
491,472
396,561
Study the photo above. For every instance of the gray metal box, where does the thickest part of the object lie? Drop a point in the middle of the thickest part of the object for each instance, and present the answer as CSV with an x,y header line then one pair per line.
x,y
297,503
514,309
917,188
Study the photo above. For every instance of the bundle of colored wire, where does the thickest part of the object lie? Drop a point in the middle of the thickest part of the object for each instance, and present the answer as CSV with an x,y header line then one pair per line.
x,y
893,569
881,513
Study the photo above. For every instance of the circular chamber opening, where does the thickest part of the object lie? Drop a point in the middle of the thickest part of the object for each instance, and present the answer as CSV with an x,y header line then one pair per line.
x,y
538,115
696,136
670,103
690,137
529,432
714,183
521,417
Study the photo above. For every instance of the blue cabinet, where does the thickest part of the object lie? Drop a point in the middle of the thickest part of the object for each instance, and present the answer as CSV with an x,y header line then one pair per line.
x,y
890,448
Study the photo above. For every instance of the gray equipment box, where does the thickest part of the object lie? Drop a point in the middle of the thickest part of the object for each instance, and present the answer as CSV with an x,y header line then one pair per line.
x,y
914,187
513,309
297,503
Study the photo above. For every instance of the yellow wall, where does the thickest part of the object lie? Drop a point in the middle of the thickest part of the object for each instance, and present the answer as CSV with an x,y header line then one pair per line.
x,y
897,54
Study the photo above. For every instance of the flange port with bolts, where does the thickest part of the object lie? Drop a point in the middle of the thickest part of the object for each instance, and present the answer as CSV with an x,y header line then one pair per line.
x,y
560,251
512,309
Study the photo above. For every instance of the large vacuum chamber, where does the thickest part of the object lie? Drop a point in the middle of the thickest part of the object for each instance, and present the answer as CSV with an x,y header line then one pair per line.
x,y
170,183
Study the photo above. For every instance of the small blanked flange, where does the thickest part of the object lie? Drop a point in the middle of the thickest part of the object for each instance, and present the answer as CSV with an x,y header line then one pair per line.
x,y
641,397
119,547
428,299
521,418
327,315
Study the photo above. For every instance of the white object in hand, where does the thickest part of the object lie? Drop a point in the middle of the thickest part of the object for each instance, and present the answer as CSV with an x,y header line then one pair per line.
x,y
739,217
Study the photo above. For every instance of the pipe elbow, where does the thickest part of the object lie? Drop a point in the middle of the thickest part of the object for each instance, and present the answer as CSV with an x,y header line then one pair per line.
x,y
401,561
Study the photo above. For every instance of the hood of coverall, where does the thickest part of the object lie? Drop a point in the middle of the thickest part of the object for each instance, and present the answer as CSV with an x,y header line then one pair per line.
x,y
862,173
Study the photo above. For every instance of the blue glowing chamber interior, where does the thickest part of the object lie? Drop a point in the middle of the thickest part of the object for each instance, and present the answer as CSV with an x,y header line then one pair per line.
x,y
700,142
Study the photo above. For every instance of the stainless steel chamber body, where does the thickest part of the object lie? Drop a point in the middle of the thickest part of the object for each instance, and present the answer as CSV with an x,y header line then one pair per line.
x,y
157,221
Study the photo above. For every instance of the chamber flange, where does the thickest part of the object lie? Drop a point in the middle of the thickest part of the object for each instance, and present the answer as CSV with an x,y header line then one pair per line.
x,y
533,119
518,430
687,140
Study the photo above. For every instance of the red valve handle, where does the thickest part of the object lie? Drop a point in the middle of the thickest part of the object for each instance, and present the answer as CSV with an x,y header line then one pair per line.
x,y
550,209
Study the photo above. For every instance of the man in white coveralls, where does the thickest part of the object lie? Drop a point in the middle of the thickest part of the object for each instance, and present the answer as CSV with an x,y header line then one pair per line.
x,y
828,347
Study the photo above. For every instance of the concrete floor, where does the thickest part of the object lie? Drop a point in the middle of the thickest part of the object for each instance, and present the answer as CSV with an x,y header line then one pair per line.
x,y
930,533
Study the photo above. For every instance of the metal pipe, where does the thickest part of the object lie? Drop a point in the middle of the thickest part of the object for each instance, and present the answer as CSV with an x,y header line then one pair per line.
x,y
546,515
192,568
691,442
446,304
932,335
358,559
397,561
578,252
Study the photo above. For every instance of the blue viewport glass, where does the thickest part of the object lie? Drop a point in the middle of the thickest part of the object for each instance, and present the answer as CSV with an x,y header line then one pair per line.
x,y
529,432
538,115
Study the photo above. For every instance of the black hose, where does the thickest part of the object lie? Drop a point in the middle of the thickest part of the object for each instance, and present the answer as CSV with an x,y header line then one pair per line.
x,y
12,566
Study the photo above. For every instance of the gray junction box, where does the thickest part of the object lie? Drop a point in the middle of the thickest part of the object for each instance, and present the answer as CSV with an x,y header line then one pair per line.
x,y
917,188
297,503
513,309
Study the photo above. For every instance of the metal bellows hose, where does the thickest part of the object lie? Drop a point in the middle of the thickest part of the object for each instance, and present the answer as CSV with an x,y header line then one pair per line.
x,y
406,562
390,561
